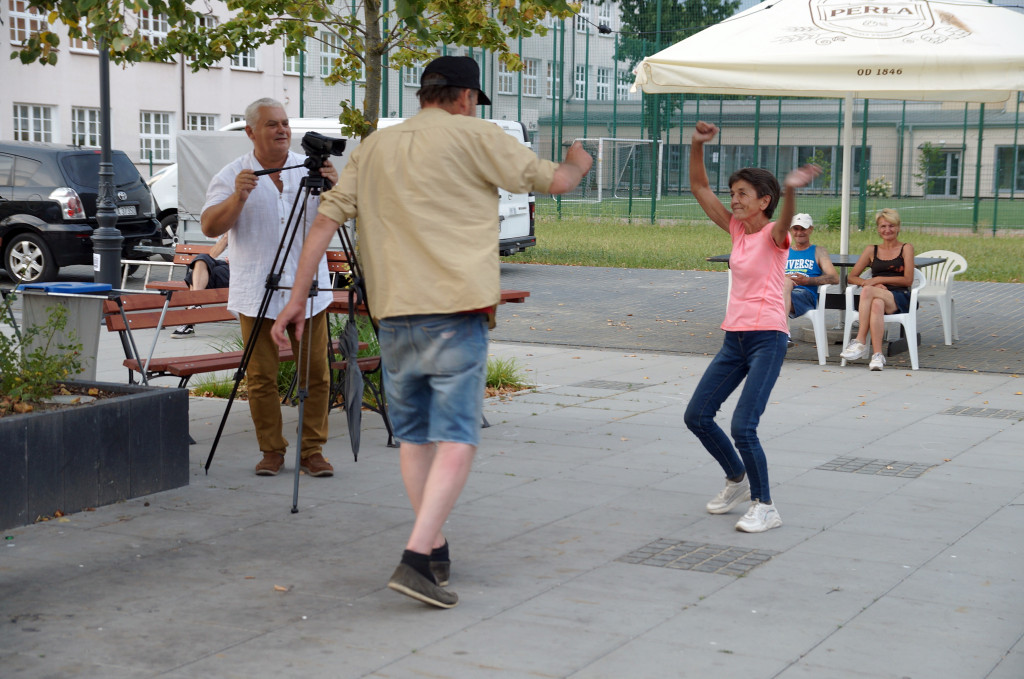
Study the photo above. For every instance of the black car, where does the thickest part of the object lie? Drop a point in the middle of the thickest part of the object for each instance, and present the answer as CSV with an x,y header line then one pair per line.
x,y
48,196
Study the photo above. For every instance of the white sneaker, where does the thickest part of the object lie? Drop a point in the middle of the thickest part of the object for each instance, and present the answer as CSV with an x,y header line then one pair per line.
x,y
730,496
877,361
759,518
854,350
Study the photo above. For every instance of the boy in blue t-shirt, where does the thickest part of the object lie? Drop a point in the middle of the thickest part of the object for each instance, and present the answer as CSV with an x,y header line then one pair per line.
x,y
807,267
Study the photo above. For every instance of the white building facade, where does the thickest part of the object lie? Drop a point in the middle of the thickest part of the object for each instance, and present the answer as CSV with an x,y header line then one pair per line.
x,y
151,102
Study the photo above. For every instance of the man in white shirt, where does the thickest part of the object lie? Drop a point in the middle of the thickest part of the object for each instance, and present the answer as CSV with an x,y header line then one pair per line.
x,y
255,210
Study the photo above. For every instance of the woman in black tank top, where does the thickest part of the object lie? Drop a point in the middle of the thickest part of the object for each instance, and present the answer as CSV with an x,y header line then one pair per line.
x,y
887,291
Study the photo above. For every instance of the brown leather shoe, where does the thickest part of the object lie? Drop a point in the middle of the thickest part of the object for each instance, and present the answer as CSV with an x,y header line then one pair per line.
x,y
270,465
316,465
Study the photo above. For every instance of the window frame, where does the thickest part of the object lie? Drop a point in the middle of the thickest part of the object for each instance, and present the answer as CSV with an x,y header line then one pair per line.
x,y
91,124
156,140
38,127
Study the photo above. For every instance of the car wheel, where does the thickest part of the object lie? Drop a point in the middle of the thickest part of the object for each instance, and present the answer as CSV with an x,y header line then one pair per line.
x,y
27,259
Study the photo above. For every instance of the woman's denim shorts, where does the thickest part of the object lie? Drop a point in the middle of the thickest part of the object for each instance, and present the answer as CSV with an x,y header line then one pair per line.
x,y
435,370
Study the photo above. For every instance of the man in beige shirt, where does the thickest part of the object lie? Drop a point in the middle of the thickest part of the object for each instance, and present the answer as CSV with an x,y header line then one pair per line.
x,y
425,193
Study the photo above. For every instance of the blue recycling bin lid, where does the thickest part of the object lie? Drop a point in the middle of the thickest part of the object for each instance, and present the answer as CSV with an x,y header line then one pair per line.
x,y
67,288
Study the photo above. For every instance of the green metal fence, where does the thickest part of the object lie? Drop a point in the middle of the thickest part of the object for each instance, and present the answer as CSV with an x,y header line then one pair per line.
x,y
944,165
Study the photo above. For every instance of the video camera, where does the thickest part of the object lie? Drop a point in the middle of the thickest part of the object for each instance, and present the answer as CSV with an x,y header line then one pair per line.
x,y
318,148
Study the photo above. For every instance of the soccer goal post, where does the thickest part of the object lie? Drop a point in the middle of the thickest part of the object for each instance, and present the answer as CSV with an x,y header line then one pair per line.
x,y
623,168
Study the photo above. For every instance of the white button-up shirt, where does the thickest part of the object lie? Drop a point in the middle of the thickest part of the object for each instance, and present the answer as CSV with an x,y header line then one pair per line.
x,y
257,233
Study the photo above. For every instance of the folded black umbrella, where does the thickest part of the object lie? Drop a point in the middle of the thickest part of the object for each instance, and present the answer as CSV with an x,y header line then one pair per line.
x,y
353,386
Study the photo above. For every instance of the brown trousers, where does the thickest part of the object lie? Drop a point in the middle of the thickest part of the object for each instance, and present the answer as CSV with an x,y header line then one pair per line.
x,y
261,377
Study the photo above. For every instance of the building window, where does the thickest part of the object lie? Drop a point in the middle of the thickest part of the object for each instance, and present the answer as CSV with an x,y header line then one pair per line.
x,y
625,81
553,79
85,127
330,51
24,21
244,61
411,75
154,136
201,122
80,45
33,122
604,16
204,22
506,79
531,68
579,89
602,86
153,27
1009,169
583,18
237,117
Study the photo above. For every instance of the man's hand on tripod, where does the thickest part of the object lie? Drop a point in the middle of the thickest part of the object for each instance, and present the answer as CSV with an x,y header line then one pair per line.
x,y
292,314
328,171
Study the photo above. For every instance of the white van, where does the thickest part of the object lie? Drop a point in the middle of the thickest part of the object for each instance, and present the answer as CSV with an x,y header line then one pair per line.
x,y
203,154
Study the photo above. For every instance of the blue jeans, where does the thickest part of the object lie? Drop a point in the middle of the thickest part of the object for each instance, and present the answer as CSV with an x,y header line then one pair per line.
x,y
757,356
435,371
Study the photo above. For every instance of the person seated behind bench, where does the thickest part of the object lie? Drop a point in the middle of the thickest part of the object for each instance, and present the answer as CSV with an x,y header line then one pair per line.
x,y
807,267
205,271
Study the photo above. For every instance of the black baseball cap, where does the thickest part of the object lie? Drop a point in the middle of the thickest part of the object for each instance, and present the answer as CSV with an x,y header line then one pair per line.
x,y
457,72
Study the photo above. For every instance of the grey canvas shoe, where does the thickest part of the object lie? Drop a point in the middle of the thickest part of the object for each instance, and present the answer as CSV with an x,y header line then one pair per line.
x,y
406,580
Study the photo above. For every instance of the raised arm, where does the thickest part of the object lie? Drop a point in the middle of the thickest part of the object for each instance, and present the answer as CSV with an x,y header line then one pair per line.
x,y
571,170
218,219
700,187
800,177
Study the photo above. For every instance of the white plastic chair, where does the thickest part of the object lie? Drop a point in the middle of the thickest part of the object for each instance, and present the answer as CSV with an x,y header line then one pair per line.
x,y
817,316
907,320
939,286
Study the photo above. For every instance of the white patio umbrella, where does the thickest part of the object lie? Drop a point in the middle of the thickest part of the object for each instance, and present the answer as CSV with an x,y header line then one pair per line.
x,y
935,50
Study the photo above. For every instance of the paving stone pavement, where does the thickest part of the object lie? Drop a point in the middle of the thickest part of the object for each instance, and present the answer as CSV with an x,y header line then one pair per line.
x,y
581,547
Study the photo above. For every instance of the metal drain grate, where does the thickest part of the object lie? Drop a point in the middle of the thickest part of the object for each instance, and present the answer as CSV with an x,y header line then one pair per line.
x,y
995,413
698,556
867,465
608,384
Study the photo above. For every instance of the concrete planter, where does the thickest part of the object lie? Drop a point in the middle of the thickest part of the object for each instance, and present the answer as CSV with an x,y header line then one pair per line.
x,y
93,454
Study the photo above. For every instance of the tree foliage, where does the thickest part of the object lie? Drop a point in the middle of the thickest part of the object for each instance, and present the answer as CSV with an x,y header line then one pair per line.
x,y
679,20
408,34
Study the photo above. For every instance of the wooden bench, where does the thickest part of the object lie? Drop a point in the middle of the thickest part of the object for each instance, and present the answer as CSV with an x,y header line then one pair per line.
x,y
184,253
127,314
130,313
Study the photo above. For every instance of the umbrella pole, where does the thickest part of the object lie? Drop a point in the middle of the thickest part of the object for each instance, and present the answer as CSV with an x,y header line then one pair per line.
x,y
844,224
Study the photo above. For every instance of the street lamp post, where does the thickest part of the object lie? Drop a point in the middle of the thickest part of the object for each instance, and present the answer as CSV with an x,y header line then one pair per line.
x,y
106,240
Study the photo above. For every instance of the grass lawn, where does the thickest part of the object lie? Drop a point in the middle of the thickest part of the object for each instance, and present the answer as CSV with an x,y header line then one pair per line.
x,y
683,244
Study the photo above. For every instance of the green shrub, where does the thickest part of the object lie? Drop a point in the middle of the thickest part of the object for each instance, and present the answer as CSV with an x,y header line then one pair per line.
x,y
506,373
31,376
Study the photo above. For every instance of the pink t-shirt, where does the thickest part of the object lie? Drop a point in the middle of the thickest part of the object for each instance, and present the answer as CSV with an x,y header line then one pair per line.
x,y
757,265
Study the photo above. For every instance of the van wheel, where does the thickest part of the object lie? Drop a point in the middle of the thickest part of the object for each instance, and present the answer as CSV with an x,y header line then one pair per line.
x,y
28,259
169,234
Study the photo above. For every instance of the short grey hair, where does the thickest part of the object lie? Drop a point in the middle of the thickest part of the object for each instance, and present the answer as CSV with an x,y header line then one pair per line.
x,y
252,111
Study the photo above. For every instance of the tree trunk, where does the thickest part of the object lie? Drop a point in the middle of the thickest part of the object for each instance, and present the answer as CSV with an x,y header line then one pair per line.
x,y
372,55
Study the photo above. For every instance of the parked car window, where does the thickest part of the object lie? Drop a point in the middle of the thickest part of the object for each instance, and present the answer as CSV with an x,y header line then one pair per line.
x,y
84,169
32,173
6,164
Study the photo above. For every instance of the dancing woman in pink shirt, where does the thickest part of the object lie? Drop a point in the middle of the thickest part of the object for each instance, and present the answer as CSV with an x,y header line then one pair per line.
x,y
755,328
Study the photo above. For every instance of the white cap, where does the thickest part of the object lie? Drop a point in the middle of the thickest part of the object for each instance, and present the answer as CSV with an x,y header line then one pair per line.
x,y
803,219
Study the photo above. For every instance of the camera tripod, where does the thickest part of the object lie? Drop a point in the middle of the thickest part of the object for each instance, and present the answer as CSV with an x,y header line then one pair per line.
x,y
311,185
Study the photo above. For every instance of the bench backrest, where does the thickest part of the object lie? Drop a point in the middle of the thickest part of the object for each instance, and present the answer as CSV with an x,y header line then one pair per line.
x,y
143,311
184,253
